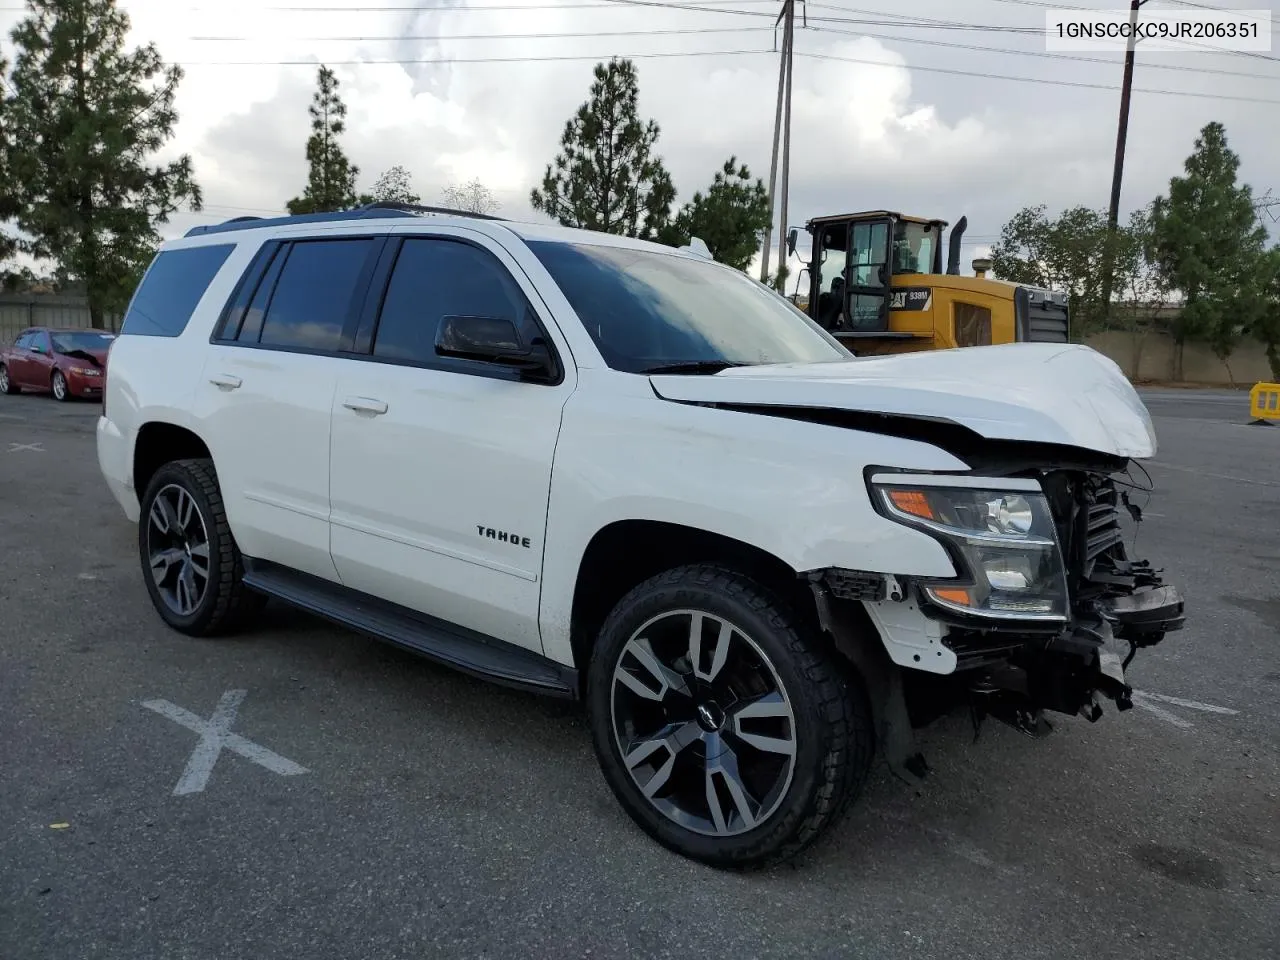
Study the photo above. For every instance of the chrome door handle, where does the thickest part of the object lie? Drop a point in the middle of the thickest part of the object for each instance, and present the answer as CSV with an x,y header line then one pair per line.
x,y
365,405
225,380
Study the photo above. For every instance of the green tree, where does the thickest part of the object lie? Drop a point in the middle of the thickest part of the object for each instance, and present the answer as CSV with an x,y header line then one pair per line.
x,y
731,217
84,118
606,176
1209,244
1266,322
1065,254
395,185
331,183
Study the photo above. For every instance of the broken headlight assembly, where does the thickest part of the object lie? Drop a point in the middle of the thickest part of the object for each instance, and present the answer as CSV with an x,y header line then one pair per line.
x,y
1004,542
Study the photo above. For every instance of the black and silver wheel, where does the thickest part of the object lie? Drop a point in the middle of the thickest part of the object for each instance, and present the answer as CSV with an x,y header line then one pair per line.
x,y
6,385
728,733
59,385
190,561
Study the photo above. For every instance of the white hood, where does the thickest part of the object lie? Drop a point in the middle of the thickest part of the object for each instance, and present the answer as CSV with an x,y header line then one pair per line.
x,y
1044,392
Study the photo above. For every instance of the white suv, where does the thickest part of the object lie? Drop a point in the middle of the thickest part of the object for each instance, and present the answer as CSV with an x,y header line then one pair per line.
x,y
604,469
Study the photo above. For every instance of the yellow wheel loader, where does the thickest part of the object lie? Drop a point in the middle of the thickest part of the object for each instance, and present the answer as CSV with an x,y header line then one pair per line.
x,y
875,281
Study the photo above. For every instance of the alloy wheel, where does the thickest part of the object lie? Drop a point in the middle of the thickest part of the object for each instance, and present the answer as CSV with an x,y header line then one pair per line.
x,y
4,379
703,723
178,549
59,386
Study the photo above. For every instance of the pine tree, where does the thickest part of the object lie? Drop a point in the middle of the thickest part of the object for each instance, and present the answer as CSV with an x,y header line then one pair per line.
x,y
1209,244
84,117
606,177
730,218
331,184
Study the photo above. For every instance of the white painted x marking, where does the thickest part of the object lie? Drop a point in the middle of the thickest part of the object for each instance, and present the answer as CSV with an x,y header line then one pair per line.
x,y
1144,698
215,736
36,447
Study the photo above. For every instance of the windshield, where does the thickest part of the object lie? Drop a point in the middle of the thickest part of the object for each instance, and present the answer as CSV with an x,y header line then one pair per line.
x,y
913,246
646,309
89,340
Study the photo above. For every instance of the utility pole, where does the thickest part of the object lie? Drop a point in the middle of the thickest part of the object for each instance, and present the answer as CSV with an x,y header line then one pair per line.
x,y
786,154
1117,174
781,131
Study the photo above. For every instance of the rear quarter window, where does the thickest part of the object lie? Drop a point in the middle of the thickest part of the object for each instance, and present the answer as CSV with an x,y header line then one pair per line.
x,y
173,285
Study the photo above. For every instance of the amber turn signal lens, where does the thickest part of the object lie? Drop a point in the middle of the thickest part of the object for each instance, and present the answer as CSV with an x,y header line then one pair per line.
x,y
913,502
951,595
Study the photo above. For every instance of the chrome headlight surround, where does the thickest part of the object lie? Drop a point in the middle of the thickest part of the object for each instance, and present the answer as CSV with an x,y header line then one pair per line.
x,y
1000,532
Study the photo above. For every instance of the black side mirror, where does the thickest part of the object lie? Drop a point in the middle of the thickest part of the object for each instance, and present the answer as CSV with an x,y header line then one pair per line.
x,y
791,241
494,340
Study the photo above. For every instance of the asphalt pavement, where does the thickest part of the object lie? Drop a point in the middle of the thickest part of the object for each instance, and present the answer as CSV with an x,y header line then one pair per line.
x,y
381,807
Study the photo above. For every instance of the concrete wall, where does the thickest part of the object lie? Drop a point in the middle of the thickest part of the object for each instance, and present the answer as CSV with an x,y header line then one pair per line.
x,y
1154,356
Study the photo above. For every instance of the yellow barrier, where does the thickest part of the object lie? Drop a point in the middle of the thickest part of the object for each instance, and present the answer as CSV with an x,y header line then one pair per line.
x,y
1264,402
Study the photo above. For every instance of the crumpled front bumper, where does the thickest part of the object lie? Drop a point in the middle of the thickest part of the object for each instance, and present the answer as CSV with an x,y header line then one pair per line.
x,y
1076,669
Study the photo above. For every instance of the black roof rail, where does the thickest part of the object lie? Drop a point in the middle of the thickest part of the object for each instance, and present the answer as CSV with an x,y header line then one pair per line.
x,y
419,208
370,211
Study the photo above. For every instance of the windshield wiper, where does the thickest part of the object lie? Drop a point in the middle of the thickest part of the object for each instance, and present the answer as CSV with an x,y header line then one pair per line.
x,y
693,366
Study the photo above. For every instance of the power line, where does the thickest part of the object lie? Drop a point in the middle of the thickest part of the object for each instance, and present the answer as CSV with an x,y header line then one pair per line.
x,y
551,58
1041,80
511,36
448,60
689,31
906,20
1010,51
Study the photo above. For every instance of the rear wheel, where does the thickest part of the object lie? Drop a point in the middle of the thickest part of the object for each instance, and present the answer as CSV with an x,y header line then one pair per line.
x,y
59,385
190,561
6,385
727,731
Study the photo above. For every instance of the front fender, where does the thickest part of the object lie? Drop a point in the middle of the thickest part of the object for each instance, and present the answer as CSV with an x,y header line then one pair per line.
x,y
794,490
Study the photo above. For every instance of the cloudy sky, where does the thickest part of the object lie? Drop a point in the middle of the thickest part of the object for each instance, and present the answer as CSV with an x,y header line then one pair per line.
x,y
934,107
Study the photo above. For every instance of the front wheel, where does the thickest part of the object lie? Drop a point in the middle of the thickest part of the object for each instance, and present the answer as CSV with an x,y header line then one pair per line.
x,y
6,385
60,391
727,730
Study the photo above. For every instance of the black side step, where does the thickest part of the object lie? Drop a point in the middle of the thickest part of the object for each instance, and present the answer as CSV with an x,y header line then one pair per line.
x,y
448,644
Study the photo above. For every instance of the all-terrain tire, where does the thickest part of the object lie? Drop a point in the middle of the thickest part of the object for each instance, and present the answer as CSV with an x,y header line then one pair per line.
x,y
832,727
226,604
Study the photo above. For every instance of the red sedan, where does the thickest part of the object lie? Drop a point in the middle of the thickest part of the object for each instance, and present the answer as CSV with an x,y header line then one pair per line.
x,y
65,363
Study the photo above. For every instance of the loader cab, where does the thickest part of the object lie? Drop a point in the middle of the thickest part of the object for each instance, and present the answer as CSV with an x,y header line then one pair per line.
x,y
854,260
878,281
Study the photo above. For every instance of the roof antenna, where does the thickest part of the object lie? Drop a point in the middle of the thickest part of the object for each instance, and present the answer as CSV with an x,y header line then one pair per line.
x,y
698,248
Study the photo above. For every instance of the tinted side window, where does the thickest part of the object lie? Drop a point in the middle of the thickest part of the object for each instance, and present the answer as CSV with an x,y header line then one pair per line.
x,y
439,278
251,327
22,342
313,297
173,285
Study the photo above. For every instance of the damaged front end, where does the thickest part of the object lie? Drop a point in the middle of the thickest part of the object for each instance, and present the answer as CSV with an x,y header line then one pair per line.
x,y
1048,609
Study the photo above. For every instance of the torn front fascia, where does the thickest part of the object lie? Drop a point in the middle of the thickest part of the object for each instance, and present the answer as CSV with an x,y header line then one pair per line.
x,y
1021,670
